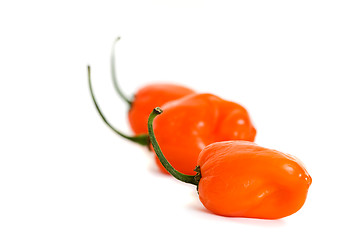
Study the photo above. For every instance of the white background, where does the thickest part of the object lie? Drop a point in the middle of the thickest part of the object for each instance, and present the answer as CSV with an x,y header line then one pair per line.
x,y
64,175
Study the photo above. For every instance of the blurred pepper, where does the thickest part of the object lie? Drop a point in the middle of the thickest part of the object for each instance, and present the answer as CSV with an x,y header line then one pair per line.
x,y
147,98
193,122
143,102
242,179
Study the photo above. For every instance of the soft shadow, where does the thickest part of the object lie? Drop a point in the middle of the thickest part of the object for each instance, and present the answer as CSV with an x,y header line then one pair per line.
x,y
198,207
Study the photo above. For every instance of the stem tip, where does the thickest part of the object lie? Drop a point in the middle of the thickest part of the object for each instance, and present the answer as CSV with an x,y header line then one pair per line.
x,y
158,111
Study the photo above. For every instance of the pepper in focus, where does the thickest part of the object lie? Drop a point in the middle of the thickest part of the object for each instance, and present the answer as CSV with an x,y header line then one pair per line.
x,y
195,121
242,179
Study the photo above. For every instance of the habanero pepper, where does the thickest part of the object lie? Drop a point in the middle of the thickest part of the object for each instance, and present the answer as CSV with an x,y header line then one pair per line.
x,y
142,103
195,121
242,179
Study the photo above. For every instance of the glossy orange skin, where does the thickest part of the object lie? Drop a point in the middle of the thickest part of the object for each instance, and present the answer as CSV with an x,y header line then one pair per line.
x,y
151,96
189,124
242,179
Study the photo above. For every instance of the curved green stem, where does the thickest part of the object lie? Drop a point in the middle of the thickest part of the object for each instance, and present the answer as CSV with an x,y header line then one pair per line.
x,y
142,139
178,175
113,74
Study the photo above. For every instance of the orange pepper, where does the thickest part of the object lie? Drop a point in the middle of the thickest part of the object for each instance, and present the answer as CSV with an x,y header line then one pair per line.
x,y
142,103
193,122
242,179
149,96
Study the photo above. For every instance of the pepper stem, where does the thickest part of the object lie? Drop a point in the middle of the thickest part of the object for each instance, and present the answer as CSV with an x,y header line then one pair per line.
x,y
142,139
113,74
178,175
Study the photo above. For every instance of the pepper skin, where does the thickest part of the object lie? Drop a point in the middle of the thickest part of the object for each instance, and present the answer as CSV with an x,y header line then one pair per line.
x,y
241,179
149,97
193,122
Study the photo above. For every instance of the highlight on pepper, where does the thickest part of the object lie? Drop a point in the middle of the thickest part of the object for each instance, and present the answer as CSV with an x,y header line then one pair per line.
x,y
241,179
195,121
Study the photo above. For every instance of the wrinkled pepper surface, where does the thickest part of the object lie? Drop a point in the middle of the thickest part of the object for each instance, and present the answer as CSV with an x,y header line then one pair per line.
x,y
242,179
195,121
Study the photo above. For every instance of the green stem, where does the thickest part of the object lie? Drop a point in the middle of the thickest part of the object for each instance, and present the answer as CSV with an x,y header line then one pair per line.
x,y
178,175
142,139
113,74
